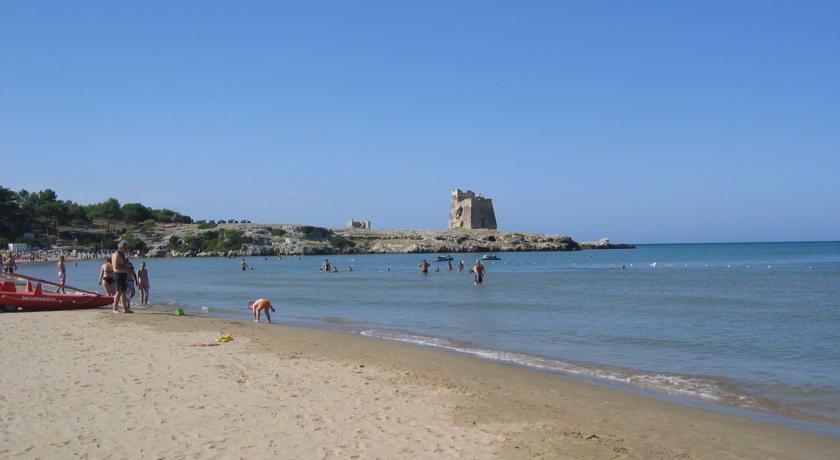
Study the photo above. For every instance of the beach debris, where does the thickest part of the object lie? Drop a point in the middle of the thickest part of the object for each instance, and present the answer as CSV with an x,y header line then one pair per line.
x,y
225,338
205,344
179,312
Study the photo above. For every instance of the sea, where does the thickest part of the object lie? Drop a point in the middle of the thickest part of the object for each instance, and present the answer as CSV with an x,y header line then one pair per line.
x,y
747,328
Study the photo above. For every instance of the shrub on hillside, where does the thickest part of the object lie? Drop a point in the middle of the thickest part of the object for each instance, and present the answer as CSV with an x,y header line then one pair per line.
x,y
341,242
314,232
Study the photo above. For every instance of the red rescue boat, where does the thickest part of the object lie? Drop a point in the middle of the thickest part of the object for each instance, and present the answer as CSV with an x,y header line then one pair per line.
x,y
30,299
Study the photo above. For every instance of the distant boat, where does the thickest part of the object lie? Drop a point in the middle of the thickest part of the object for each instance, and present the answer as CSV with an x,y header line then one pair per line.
x,y
444,258
490,257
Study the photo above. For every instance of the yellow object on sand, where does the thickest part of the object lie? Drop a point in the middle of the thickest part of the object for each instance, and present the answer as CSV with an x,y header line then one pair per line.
x,y
224,338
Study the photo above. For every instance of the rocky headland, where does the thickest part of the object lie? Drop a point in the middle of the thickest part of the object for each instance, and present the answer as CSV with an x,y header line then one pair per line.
x,y
198,240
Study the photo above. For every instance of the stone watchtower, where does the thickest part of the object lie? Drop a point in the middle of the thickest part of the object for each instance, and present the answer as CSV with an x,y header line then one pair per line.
x,y
471,211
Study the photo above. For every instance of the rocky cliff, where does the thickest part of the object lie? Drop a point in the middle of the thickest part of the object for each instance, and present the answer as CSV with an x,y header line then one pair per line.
x,y
604,243
260,240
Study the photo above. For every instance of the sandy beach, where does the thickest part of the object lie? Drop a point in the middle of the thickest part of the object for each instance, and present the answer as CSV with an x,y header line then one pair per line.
x,y
91,384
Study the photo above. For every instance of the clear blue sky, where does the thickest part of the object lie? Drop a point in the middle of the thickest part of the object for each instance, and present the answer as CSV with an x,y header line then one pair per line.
x,y
644,121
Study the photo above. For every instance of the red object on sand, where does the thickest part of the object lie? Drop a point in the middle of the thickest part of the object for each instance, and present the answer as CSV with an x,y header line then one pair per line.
x,y
36,299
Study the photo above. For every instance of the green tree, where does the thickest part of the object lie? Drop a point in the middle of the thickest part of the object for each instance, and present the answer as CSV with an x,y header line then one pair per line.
x,y
10,214
135,212
109,209
41,208
164,216
181,219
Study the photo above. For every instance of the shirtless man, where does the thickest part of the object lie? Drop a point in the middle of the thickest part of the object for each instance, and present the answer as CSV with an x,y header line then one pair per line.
x,y
258,306
11,266
449,265
325,268
424,266
479,272
461,266
62,275
119,261
143,283
106,277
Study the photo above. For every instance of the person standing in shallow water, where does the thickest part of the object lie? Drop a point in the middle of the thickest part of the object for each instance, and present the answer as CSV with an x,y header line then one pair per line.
x,y
11,265
424,266
461,266
449,265
143,283
62,275
132,282
478,271
243,265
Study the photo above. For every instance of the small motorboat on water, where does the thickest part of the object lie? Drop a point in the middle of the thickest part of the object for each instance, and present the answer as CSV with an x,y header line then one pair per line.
x,y
443,258
490,257
34,299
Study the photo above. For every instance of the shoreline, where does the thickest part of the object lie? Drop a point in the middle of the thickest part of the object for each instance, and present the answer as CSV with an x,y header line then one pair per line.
x,y
496,409
685,387
594,374
680,387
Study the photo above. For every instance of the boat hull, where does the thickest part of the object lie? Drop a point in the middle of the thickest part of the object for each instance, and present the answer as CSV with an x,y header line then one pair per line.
x,y
30,301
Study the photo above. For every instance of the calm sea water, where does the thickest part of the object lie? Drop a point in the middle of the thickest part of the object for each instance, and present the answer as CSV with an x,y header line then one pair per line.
x,y
754,326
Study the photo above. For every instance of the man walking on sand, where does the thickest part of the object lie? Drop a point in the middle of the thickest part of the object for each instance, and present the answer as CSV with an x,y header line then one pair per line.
x,y
119,262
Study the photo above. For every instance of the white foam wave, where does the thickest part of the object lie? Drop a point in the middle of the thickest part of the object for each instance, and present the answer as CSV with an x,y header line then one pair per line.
x,y
672,384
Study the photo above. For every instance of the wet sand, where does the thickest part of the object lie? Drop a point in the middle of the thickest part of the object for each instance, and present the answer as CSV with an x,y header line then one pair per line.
x,y
93,384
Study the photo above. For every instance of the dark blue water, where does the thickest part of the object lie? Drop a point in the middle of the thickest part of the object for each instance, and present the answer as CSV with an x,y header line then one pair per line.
x,y
746,325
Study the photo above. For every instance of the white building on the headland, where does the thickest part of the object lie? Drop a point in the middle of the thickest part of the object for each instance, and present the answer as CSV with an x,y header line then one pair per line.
x,y
18,247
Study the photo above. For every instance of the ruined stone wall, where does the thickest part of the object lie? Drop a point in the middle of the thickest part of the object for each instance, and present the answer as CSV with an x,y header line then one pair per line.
x,y
482,214
363,224
469,211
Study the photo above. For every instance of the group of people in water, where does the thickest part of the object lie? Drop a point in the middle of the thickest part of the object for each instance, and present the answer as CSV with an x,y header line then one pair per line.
x,y
326,267
119,279
478,269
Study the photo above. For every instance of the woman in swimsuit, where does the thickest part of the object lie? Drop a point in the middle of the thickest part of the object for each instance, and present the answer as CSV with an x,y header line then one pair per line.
x,y
143,283
106,277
